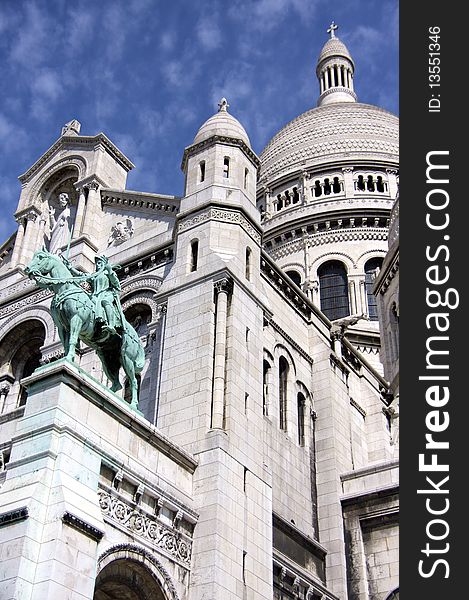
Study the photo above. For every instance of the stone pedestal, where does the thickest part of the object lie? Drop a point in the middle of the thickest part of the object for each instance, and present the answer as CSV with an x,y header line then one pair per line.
x,y
50,520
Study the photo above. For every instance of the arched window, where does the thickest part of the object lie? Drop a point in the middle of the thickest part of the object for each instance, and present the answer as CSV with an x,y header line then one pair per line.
x,y
282,391
295,277
246,178
267,372
370,184
336,186
248,263
201,171
333,289
370,268
301,406
226,167
194,255
361,183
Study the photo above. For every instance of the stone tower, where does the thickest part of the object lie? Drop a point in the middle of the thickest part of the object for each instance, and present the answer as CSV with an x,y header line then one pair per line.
x,y
211,386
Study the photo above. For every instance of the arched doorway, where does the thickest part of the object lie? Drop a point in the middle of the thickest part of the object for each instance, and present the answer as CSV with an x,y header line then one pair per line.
x,y
128,572
125,579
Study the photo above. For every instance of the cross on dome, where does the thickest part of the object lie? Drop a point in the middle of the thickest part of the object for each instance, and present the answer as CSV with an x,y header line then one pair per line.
x,y
223,105
332,29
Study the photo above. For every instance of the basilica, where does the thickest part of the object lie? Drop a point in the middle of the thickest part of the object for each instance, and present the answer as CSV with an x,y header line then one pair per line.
x,y
260,461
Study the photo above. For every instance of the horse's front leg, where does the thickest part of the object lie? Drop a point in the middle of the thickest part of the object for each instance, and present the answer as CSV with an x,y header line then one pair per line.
x,y
75,327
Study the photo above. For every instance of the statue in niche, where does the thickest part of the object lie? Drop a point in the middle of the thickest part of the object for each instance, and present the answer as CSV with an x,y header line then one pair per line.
x,y
60,225
121,232
94,317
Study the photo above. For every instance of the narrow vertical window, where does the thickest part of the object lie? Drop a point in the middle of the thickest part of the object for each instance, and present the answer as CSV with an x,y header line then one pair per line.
x,y
282,389
370,268
226,167
301,401
201,171
194,255
248,263
246,178
265,390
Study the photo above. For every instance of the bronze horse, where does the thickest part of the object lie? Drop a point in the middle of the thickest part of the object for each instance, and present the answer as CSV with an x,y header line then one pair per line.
x,y
74,314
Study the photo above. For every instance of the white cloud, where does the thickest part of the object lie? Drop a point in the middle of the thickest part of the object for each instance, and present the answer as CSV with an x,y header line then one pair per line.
x,y
47,84
37,38
80,30
265,15
209,33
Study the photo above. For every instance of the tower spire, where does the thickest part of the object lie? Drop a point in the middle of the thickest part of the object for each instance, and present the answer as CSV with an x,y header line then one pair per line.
x,y
335,71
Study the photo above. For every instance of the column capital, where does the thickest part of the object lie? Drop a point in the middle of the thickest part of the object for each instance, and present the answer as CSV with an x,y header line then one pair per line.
x,y
223,285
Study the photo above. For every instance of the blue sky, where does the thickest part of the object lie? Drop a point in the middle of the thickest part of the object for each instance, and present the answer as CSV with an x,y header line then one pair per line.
x,y
148,73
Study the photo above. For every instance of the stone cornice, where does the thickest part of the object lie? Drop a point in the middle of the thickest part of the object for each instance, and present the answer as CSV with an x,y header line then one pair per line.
x,y
80,140
140,201
219,139
291,341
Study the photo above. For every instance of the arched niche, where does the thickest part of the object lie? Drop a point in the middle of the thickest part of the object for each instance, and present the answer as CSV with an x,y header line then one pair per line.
x,y
20,355
58,183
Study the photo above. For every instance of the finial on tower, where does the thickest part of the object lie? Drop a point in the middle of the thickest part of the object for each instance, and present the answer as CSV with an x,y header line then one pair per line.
x,y
332,29
223,105
71,128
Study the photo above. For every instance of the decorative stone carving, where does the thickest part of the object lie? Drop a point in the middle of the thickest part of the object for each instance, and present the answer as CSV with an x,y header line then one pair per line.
x,y
171,542
121,232
222,215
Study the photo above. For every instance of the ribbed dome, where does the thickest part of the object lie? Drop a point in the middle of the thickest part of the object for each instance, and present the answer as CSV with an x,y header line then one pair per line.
x,y
331,133
334,47
224,124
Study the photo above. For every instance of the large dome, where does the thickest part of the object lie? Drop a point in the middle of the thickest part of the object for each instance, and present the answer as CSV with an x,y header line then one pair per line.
x,y
331,133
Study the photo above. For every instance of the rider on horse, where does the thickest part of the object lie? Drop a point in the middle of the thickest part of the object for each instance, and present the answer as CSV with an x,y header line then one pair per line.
x,y
105,294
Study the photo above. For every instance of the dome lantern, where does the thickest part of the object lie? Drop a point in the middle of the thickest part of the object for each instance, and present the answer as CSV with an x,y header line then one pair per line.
x,y
334,70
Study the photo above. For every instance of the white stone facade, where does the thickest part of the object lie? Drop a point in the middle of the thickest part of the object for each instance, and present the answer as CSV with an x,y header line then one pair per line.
x,y
262,464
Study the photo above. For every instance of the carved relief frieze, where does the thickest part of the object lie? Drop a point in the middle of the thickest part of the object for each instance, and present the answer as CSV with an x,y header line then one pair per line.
x,y
222,215
283,248
24,302
168,540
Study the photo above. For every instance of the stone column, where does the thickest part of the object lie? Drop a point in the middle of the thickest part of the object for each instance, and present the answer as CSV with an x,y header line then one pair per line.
x,y
91,222
303,184
18,242
333,81
348,182
29,237
268,202
353,301
392,179
222,289
80,213
326,78
363,299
